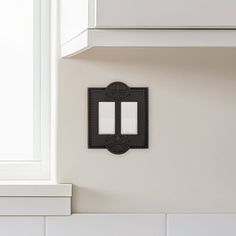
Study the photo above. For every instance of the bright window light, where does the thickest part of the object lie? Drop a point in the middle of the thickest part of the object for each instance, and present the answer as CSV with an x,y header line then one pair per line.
x,y
25,90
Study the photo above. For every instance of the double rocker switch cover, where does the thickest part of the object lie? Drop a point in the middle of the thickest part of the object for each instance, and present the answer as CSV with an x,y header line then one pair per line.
x,y
129,118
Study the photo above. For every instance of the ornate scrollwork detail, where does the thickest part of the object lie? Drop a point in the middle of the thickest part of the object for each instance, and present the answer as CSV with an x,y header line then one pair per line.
x,y
117,91
118,144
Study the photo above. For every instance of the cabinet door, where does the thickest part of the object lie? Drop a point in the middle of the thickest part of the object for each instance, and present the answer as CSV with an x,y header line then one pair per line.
x,y
165,13
106,225
22,226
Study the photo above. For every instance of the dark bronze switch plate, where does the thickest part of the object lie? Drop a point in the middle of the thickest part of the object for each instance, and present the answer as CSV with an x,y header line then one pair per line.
x,y
118,93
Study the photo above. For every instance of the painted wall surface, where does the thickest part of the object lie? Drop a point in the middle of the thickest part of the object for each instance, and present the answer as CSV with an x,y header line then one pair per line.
x,y
190,165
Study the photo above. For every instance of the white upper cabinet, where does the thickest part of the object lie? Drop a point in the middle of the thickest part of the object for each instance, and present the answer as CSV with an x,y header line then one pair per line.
x,y
74,18
87,22
165,13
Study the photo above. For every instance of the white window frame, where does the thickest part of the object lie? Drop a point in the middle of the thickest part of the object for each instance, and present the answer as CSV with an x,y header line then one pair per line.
x,y
40,167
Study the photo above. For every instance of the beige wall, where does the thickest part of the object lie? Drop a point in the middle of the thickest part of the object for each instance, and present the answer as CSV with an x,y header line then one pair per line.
x,y
191,163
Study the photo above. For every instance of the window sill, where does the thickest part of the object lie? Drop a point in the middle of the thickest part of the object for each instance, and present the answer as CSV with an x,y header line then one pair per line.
x,y
48,199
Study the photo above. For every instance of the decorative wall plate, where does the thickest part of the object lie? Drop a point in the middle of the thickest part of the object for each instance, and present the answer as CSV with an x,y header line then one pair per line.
x,y
118,118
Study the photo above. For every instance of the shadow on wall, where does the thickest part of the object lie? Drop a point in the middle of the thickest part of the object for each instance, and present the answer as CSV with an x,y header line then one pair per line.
x,y
204,59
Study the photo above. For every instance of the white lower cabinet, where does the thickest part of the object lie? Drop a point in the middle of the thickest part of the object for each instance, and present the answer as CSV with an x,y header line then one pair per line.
x,y
201,225
22,226
120,225
106,225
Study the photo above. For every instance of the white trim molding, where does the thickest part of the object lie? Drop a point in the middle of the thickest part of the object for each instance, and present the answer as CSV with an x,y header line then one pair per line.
x,y
148,38
33,200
